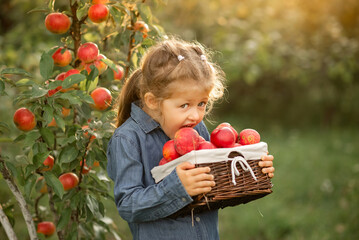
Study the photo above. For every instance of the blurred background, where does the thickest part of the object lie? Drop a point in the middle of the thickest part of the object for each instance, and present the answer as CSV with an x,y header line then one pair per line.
x,y
292,70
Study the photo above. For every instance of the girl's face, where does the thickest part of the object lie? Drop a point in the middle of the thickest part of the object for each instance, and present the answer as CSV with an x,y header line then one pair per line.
x,y
185,107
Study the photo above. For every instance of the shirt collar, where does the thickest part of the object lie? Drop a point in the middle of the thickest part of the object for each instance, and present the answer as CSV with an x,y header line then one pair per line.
x,y
146,123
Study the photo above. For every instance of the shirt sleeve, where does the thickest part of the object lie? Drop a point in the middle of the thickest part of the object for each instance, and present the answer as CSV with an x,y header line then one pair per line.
x,y
136,202
202,130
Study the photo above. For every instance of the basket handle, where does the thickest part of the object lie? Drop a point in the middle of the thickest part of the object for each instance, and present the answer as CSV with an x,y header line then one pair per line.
x,y
245,166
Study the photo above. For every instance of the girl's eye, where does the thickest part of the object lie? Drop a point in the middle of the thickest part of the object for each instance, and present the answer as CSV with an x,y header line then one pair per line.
x,y
202,104
184,105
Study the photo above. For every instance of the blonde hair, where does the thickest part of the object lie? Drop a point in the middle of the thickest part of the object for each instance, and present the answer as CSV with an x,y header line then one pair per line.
x,y
168,61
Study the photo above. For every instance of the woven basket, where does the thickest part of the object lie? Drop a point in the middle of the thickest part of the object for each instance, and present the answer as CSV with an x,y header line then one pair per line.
x,y
225,193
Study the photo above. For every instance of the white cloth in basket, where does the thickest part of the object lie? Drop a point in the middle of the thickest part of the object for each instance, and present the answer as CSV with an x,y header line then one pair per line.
x,y
249,152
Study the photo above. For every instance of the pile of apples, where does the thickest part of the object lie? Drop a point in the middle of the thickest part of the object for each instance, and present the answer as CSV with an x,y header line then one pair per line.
x,y
223,136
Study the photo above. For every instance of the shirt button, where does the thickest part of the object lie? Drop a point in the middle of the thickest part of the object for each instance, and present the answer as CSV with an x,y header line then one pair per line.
x,y
198,219
183,199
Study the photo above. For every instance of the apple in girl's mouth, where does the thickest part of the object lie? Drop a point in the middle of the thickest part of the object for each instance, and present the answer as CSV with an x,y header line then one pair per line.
x,y
186,139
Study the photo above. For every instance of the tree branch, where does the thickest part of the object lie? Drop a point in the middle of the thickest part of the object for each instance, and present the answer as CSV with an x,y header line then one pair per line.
x,y
6,225
20,199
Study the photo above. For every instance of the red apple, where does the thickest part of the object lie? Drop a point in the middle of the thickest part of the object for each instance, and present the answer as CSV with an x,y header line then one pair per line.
x,y
223,137
169,152
185,140
43,185
52,123
201,139
86,134
49,163
206,145
65,112
87,52
100,1
47,228
249,136
86,169
100,65
225,124
67,74
98,13
69,180
141,26
102,98
163,161
57,23
62,59
60,76
118,74
24,119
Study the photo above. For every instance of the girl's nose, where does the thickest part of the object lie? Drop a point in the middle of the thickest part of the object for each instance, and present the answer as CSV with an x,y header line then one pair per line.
x,y
194,115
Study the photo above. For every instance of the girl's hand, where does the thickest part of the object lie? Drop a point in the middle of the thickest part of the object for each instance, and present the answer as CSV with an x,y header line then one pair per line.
x,y
195,180
267,165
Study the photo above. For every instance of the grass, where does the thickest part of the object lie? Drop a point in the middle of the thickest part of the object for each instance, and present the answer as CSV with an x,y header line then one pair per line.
x,y
315,194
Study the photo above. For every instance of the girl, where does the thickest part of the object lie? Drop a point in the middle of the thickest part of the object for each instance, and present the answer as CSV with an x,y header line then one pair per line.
x,y
173,88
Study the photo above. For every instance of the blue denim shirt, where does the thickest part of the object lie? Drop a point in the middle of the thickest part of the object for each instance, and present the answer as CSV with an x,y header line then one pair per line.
x,y
134,149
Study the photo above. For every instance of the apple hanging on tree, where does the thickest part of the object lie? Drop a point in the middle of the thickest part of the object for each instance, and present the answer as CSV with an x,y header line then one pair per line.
x,y
24,119
98,13
69,180
57,23
62,57
102,98
47,228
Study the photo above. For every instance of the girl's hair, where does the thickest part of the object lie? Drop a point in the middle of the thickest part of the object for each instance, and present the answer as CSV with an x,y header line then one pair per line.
x,y
168,61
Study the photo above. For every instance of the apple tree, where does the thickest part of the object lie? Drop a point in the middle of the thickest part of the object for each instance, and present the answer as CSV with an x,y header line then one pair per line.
x,y
64,116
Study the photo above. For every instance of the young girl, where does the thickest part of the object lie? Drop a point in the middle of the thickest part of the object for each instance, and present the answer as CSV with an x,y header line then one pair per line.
x,y
173,88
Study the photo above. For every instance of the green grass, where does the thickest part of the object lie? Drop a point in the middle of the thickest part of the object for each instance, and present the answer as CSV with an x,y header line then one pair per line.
x,y
315,194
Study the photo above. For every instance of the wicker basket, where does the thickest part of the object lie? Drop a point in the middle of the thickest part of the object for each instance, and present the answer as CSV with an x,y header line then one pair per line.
x,y
225,193
231,189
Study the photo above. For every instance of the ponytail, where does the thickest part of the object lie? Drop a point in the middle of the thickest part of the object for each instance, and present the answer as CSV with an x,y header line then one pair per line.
x,y
129,94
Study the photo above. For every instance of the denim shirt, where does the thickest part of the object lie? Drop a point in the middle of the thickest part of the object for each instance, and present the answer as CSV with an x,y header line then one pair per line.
x,y
134,149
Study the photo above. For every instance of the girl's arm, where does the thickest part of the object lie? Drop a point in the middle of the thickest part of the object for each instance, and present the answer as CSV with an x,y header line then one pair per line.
x,y
136,202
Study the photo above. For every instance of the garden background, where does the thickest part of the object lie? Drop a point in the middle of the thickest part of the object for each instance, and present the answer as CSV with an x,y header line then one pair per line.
x,y
292,70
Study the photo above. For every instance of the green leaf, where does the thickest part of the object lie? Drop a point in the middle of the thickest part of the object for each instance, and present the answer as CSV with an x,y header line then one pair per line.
x,y
91,86
54,84
82,11
48,113
68,154
31,137
145,12
4,128
54,183
29,185
109,63
40,157
72,79
116,14
2,86
60,122
48,136
13,169
92,204
46,65
20,138
15,71
64,219
74,100
37,92
25,82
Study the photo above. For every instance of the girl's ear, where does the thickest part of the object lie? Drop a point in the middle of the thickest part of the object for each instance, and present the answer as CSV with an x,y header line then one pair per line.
x,y
151,101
